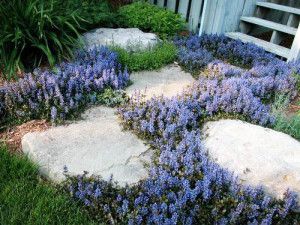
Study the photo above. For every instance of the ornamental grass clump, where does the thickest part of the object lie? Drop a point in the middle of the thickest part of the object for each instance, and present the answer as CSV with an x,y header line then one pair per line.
x,y
45,32
34,32
63,92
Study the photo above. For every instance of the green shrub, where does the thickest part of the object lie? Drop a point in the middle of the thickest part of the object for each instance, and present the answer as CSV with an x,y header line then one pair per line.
x,y
25,199
149,17
150,59
118,3
96,13
284,123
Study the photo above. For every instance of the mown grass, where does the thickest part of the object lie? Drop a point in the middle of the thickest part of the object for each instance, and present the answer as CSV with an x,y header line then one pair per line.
x,y
25,199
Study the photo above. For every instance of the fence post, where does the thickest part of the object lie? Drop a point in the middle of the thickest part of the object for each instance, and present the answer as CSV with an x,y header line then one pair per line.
x,y
203,20
295,51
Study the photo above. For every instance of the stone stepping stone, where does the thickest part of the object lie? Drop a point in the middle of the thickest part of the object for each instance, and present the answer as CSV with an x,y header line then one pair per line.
x,y
96,144
131,39
259,156
168,81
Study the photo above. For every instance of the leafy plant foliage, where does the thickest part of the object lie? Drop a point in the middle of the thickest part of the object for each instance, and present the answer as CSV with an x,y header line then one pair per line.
x,y
149,17
62,93
150,59
118,3
93,13
35,32
112,98
284,123
218,47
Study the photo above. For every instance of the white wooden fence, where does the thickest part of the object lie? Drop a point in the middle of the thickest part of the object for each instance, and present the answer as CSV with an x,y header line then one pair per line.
x,y
208,16
190,10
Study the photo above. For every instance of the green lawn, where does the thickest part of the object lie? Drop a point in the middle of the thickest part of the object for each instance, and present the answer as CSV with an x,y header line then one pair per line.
x,y
25,199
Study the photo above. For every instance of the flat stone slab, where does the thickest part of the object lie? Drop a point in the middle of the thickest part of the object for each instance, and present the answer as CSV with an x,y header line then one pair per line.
x,y
168,81
131,39
259,156
96,144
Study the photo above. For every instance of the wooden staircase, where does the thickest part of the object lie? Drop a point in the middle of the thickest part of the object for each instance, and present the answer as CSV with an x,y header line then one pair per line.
x,y
280,31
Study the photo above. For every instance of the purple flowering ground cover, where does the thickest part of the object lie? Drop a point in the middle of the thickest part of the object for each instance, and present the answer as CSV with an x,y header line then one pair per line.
x,y
64,91
184,185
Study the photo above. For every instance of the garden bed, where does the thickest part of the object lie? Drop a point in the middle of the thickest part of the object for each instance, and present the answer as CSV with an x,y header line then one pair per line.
x,y
172,126
184,184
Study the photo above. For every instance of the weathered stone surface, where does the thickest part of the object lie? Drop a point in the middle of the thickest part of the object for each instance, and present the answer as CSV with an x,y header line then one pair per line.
x,y
96,144
129,38
168,81
259,156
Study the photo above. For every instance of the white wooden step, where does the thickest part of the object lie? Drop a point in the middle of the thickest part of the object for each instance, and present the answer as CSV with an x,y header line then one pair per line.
x,y
283,8
270,47
270,24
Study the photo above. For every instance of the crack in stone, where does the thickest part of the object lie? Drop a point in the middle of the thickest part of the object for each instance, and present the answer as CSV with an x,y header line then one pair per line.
x,y
128,160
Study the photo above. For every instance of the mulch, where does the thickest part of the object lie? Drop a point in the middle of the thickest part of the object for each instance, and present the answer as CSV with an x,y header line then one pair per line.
x,y
1,79
12,137
294,107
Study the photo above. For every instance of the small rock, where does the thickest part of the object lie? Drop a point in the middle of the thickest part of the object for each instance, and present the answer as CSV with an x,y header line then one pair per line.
x,y
96,144
131,39
168,81
259,156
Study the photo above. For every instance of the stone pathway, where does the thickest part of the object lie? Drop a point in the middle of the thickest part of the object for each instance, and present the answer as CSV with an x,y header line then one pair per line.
x,y
259,156
169,81
97,143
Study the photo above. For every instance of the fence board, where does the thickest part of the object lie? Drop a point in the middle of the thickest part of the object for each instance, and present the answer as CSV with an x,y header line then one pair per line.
x,y
295,51
183,7
250,7
160,3
171,5
209,16
194,18
214,16
232,17
165,3
203,21
219,17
